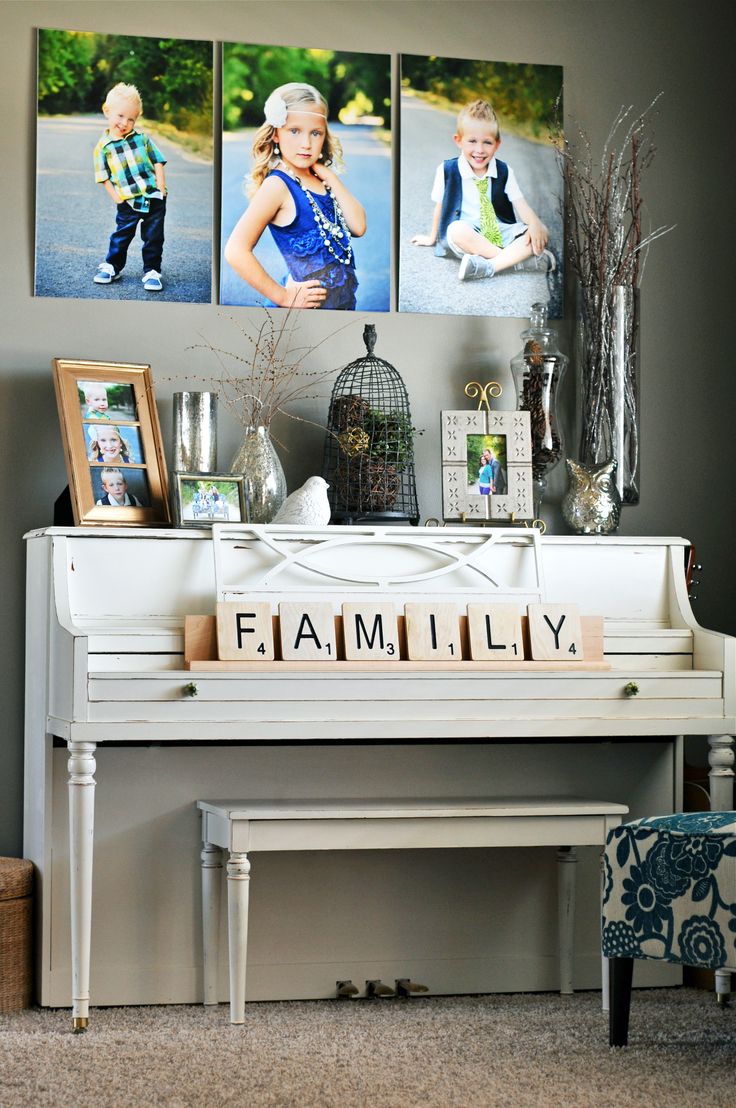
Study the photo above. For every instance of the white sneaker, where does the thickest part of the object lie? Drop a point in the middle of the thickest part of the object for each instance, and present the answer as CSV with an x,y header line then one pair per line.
x,y
473,267
152,281
538,263
105,274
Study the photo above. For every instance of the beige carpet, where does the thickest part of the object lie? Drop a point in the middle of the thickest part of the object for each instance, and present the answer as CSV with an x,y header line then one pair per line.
x,y
444,1052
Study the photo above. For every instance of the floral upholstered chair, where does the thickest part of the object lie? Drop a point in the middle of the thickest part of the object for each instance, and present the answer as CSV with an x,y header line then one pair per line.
x,y
669,893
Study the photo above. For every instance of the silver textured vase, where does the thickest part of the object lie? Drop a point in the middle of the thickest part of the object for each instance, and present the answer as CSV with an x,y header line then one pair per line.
x,y
195,432
265,483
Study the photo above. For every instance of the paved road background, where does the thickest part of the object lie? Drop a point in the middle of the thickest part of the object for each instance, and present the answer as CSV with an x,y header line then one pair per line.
x,y
428,283
367,175
75,217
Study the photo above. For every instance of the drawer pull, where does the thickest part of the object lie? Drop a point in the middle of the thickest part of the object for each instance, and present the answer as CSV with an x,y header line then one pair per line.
x,y
191,689
631,689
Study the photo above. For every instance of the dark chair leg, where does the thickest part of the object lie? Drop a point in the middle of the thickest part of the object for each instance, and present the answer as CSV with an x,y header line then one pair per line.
x,y
620,972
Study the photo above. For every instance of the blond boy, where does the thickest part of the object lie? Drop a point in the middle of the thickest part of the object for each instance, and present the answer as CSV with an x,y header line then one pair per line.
x,y
116,490
131,168
480,215
95,400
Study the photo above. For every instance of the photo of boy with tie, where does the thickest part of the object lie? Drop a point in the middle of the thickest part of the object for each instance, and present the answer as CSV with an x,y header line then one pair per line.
x,y
480,214
480,184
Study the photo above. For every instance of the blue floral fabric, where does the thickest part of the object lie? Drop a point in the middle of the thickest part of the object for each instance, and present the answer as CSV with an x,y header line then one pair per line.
x,y
669,890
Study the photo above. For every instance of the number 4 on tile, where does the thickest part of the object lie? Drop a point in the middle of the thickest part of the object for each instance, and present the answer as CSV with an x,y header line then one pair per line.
x,y
555,632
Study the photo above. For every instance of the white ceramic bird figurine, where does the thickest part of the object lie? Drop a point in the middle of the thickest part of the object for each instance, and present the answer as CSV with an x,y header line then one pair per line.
x,y
308,505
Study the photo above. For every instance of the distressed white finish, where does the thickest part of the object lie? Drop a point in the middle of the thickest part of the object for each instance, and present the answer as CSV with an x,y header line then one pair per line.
x,y
241,827
104,667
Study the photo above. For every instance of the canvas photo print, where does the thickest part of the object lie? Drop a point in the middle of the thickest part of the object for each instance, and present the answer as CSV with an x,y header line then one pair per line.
x,y
481,195
124,167
306,178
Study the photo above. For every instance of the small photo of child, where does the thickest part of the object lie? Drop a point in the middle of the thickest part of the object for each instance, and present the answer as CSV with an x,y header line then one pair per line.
x,y
106,400
113,445
114,488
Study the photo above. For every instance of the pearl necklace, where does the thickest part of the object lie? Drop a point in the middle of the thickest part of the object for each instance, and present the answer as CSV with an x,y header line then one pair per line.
x,y
333,232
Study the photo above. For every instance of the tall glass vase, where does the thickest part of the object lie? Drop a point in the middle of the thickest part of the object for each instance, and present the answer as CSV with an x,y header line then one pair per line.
x,y
538,370
265,483
606,361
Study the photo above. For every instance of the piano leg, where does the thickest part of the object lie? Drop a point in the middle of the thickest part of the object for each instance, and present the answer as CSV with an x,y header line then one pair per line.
x,y
211,880
721,775
81,839
566,867
238,881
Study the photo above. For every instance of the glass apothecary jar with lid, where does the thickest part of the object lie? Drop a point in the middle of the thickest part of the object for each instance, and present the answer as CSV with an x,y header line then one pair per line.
x,y
538,370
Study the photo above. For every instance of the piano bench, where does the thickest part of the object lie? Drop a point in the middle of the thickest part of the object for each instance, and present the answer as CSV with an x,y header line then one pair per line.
x,y
244,826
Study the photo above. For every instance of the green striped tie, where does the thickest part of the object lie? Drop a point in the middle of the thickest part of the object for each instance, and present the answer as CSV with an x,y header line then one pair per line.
x,y
489,227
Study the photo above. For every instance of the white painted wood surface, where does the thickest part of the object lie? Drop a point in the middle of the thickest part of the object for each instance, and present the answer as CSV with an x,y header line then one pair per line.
x,y
103,669
242,827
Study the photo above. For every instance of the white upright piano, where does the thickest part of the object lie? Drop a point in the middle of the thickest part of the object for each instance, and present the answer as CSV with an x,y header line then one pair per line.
x,y
105,669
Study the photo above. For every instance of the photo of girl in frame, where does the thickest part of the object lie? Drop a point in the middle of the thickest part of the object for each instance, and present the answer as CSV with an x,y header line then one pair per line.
x,y
113,445
315,153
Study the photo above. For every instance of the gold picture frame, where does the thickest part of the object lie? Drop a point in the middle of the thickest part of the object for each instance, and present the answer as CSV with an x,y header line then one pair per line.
x,y
112,444
465,437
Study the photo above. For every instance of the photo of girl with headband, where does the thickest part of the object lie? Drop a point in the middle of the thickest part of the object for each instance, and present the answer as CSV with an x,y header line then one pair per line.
x,y
296,193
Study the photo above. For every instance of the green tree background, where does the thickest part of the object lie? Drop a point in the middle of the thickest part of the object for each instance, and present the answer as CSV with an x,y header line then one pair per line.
x,y
523,96
76,69
357,83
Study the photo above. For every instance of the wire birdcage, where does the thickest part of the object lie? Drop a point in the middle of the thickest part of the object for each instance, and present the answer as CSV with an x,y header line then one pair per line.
x,y
369,448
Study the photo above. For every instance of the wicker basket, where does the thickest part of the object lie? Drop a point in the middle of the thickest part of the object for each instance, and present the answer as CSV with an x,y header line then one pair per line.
x,y
16,886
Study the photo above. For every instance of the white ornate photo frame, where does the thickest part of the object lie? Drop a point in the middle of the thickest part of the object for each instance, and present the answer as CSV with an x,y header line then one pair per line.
x,y
460,501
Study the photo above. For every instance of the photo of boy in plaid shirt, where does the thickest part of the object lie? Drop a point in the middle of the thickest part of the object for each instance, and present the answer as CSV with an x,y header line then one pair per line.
x,y
131,167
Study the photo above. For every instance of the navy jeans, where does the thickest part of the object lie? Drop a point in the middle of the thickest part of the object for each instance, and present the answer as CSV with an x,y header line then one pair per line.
x,y
152,234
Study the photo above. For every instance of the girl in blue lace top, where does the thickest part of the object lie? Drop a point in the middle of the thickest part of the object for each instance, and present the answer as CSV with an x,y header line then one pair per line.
x,y
311,215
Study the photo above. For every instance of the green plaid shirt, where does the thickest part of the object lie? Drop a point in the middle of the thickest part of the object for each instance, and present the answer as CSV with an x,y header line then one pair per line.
x,y
128,164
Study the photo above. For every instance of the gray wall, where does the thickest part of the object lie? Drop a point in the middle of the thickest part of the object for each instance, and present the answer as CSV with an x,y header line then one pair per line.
x,y
614,52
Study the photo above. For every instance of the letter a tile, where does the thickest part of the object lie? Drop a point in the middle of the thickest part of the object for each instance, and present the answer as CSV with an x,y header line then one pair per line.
x,y
307,632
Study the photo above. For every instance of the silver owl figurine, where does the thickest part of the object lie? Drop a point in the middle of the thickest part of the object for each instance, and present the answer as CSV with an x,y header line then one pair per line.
x,y
592,504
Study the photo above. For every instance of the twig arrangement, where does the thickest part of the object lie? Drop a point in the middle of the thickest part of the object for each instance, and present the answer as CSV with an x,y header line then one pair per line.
x,y
607,251
269,375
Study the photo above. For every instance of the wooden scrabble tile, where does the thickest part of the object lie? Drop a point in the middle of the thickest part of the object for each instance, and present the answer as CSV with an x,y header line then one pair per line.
x,y
555,632
371,631
307,632
494,631
244,631
432,632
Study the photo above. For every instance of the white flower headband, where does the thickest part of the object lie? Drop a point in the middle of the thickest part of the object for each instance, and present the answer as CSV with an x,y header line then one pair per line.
x,y
276,110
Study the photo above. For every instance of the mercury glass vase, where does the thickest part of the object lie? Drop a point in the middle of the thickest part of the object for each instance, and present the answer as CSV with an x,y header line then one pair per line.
x,y
195,432
265,483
